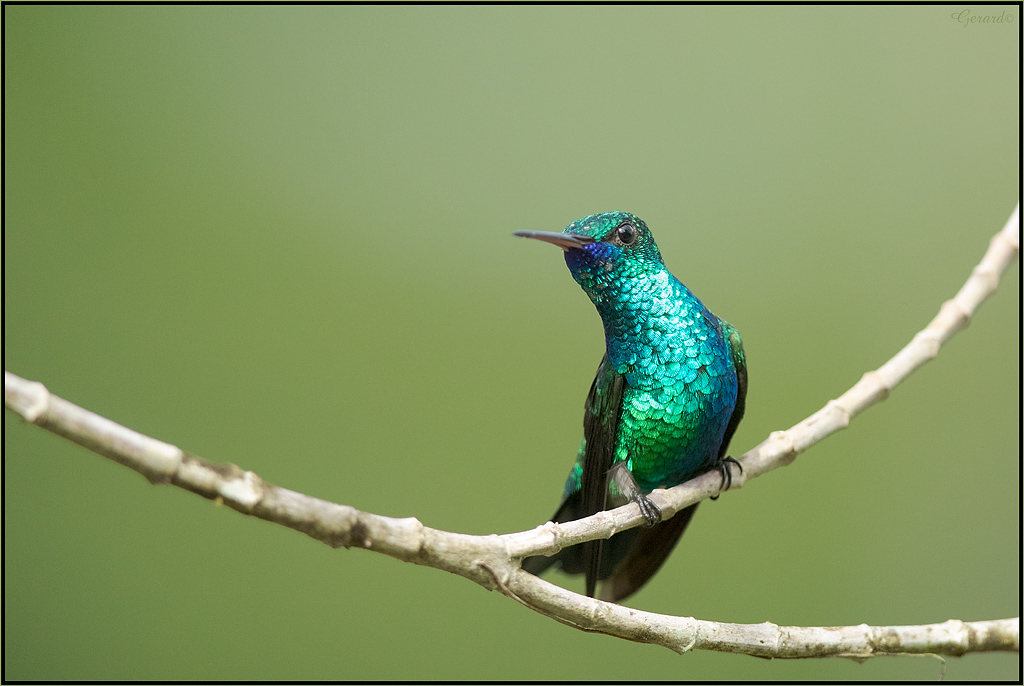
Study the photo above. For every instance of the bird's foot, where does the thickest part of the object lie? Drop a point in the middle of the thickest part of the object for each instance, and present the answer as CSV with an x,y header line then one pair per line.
x,y
626,484
650,511
723,468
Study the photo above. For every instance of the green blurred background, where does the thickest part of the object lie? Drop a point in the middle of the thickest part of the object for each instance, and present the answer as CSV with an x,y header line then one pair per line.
x,y
281,237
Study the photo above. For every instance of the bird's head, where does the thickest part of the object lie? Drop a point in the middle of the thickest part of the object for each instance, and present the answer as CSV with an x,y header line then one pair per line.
x,y
603,250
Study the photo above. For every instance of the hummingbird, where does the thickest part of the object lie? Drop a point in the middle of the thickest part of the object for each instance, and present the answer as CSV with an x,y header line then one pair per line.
x,y
667,398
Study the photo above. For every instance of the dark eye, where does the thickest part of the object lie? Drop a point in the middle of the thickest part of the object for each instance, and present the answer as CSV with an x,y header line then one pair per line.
x,y
626,233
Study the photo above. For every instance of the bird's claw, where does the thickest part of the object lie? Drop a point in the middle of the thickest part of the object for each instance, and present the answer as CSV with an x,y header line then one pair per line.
x,y
723,468
627,486
651,512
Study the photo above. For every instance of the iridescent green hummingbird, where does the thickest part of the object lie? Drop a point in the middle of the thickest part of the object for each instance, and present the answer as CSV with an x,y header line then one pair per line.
x,y
663,407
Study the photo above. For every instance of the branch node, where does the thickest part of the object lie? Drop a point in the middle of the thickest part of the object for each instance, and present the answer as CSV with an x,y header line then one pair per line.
x,y
419,533
785,446
960,316
960,636
1010,235
30,399
986,275
837,407
245,491
552,530
883,386
869,638
499,583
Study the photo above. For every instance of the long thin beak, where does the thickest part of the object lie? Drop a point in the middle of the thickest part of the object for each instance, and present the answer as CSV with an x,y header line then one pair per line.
x,y
565,241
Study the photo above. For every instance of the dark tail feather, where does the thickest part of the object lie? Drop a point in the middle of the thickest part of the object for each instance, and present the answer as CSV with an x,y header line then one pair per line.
x,y
571,558
646,556
538,563
591,562
636,554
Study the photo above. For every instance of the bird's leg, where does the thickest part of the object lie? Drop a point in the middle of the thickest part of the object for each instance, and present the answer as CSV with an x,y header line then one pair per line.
x,y
627,486
722,465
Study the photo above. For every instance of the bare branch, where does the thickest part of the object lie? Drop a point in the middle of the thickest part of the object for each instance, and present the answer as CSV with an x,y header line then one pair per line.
x,y
493,561
782,447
